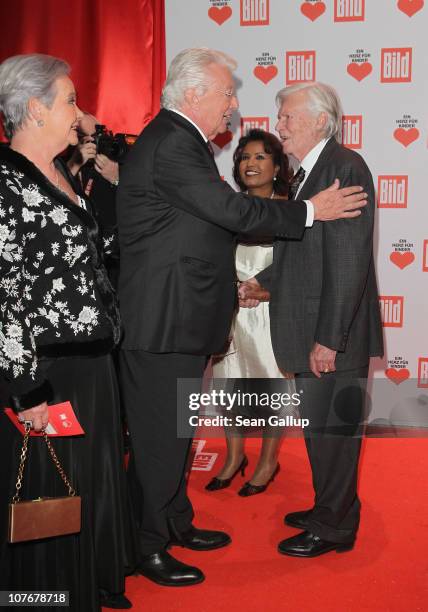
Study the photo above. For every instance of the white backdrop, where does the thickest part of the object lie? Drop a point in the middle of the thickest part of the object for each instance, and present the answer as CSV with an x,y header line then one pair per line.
x,y
375,53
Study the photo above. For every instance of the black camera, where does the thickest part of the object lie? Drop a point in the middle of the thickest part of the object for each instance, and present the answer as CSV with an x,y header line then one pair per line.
x,y
116,146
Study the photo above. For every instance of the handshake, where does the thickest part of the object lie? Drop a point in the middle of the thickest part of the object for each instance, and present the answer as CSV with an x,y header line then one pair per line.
x,y
251,293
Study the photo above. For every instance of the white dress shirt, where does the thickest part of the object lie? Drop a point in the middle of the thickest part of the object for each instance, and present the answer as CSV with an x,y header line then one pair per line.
x,y
309,161
174,110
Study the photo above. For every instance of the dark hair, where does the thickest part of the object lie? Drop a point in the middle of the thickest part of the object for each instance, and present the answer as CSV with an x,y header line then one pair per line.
x,y
273,147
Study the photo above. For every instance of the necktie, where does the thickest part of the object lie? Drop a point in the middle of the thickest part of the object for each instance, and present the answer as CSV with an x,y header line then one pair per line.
x,y
210,148
295,182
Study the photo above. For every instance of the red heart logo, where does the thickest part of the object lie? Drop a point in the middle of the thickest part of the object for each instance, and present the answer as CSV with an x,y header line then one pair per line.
x,y
312,10
221,140
402,259
359,71
219,15
410,7
406,137
265,73
397,376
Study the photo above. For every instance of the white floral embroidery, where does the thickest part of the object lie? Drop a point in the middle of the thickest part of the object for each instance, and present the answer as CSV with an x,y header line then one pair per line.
x,y
14,330
13,349
4,233
59,215
57,285
8,249
53,317
31,196
88,315
28,215
73,252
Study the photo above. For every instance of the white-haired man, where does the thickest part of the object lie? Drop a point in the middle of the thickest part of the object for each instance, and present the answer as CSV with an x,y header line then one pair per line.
x,y
177,226
325,319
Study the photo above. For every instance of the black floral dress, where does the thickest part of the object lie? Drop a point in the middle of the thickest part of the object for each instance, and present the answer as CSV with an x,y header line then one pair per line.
x,y
58,325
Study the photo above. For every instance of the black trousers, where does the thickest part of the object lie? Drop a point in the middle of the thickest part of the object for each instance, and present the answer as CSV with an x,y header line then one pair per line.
x,y
334,406
157,468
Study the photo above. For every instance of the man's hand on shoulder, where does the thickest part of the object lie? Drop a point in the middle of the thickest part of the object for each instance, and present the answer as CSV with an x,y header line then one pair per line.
x,y
334,203
322,360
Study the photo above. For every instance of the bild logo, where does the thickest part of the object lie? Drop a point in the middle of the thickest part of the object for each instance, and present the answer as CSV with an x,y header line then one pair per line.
x,y
349,10
254,12
254,123
299,67
396,65
423,372
352,131
391,310
392,191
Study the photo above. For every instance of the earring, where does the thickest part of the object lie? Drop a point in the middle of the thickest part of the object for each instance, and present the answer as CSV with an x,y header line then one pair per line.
x,y
40,123
275,177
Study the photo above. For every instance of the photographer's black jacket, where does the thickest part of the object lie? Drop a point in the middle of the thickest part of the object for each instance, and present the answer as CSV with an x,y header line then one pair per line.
x,y
55,297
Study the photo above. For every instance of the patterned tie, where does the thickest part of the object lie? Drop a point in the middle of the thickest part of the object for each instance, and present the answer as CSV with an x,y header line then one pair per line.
x,y
295,182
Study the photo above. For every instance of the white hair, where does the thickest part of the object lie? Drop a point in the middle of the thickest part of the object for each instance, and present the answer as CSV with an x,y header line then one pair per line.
x,y
321,98
189,70
23,77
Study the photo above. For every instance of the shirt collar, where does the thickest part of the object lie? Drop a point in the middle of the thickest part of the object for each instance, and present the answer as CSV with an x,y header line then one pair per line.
x,y
309,161
174,110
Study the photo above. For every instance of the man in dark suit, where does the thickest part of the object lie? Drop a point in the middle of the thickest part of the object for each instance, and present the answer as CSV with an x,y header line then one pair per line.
x,y
325,319
177,227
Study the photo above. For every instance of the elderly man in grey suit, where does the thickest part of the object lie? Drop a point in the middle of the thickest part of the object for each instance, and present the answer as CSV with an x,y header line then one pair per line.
x,y
325,319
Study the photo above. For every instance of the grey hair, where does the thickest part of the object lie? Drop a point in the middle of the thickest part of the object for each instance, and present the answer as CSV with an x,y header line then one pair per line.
x,y
189,70
320,98
23,77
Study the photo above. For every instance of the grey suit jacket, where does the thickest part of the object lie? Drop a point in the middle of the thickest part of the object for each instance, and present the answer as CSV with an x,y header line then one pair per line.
x,y
323,287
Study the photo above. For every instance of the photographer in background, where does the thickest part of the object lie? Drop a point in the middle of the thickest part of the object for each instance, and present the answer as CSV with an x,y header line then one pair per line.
x,y
97,176
87,150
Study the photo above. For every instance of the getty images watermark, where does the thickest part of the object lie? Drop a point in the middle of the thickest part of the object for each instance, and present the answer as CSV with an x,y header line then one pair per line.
x,y
396,406
282,405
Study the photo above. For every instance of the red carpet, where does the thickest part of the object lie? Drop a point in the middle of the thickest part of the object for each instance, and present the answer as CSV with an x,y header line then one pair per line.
x,y
386,571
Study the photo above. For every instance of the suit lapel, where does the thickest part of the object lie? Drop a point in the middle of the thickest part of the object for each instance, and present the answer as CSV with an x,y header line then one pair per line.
x,y
307,190
186,125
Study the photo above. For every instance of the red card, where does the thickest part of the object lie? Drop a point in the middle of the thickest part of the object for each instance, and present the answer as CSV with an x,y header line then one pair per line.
x,y
62,421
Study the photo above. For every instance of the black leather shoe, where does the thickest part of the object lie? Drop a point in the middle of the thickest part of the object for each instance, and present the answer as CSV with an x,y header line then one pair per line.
x,y
163,569
117,601
306,544
249,489
215,484
298,519
201,539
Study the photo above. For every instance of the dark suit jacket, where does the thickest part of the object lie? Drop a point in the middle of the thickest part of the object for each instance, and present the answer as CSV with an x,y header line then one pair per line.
x,y
177,225
323,287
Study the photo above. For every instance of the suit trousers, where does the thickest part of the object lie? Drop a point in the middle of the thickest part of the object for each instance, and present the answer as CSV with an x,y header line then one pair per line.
x,y
334,406
158,461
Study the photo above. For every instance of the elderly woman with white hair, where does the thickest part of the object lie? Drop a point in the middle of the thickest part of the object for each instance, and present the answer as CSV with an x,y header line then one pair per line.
x,y
58,325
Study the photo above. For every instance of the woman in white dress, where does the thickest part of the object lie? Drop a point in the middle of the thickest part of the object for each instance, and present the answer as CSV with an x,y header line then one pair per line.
x,y
261,169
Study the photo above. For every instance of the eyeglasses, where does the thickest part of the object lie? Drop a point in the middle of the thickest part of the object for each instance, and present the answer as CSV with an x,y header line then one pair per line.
x,y
228,93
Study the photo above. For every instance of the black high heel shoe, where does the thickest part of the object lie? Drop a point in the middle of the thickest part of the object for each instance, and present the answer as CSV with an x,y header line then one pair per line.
x,y
249,489
215,484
